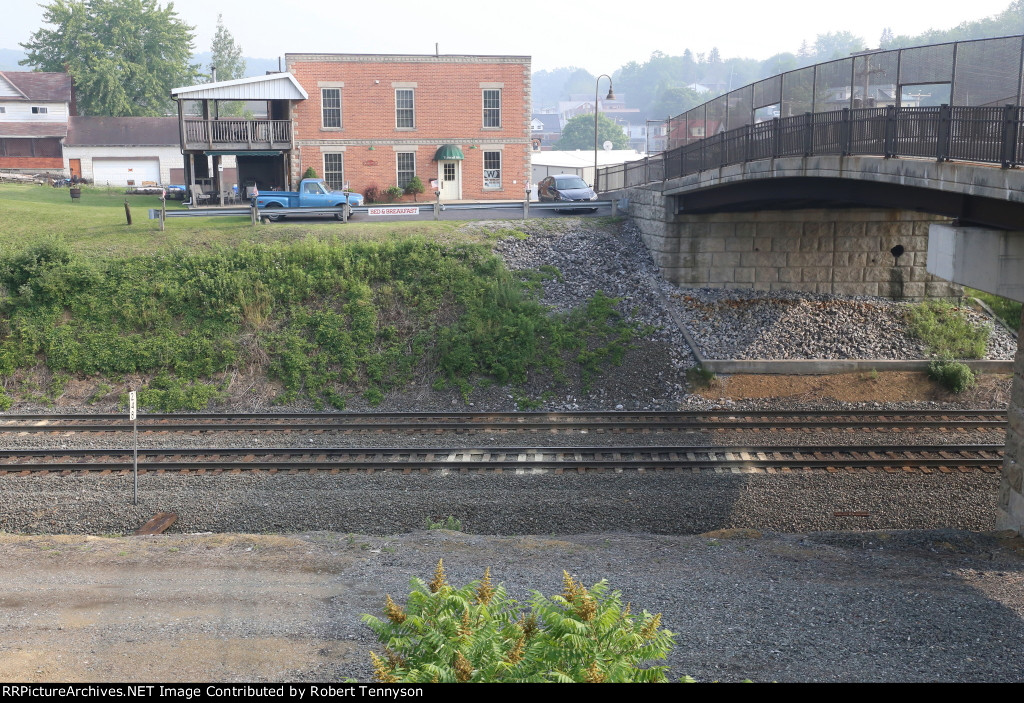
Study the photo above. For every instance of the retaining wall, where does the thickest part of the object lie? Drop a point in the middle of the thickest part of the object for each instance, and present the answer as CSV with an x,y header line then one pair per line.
x,y
845,252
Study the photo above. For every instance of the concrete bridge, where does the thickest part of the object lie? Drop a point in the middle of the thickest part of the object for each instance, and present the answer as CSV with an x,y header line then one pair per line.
x,y
898,200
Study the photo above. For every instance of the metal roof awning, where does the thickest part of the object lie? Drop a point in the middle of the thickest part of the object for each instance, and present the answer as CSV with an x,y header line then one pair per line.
x,y
449,152
242,153
274,86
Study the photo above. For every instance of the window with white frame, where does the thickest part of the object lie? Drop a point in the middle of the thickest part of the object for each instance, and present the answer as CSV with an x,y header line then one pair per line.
x,y
492,169
405,111
40,110
330,101
492,107
334,171
406,165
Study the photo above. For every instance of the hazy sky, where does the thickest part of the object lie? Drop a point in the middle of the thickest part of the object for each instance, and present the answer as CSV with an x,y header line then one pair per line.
x,y
599,36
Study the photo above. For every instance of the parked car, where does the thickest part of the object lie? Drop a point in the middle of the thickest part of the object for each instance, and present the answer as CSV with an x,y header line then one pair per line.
x,y
566,188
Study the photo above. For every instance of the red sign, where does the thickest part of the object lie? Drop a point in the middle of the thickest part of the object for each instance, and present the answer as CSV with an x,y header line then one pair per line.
x,y
388,211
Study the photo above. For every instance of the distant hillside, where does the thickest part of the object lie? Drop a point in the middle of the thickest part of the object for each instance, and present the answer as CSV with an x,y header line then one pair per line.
x,y
9,59
253,67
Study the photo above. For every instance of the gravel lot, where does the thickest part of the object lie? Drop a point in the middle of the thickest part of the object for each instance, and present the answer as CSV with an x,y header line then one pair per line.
x,y
821,607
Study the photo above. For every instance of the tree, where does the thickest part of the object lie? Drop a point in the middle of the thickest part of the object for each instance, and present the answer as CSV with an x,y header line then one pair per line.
x,y
124,56
578,133
414,187
674,101
227,59
836,45
227,54
478,634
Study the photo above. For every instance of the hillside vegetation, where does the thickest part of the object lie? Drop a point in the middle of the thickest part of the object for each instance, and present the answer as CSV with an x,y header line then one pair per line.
x,y
324,319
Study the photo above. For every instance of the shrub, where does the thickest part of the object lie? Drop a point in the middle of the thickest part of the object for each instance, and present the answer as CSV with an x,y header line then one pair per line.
x,y
392,193
946,330
953,375
449,523
478,634
1009,311
310,173
414,187
371,194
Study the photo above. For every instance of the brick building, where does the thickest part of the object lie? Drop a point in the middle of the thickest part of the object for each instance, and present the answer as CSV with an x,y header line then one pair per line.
x,y
462,122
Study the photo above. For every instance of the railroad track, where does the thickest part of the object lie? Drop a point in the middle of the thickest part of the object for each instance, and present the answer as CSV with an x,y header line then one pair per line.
x,y
644,422
945,458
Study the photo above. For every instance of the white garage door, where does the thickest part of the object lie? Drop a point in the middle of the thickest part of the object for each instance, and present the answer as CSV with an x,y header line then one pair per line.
x,y
125,172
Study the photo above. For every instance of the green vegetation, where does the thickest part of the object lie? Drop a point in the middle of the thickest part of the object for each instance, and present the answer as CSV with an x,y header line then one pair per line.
x,y
325,319
698,377
478,634
946,330
449,523
124,56
414,187
578,133
1009,311
954,375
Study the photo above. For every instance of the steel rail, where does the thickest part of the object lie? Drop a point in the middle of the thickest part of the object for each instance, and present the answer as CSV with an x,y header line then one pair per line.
x,y
462,422
747,458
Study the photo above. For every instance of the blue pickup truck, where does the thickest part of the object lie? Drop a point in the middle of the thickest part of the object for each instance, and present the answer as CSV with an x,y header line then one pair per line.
x,y
313,192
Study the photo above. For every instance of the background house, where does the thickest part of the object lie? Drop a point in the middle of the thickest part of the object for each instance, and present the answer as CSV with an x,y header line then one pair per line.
x,y
34,112
125,151
546,128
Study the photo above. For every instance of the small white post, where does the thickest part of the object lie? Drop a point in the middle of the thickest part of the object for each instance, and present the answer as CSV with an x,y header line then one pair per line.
x,y
132,415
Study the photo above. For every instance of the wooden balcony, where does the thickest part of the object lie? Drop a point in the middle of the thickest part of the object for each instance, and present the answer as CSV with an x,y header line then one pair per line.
x,y
226,135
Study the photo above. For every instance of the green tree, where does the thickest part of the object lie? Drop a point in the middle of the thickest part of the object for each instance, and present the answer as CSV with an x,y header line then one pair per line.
x,y
414,187
478,634
227,58
674,101
578,133
124,56
836,45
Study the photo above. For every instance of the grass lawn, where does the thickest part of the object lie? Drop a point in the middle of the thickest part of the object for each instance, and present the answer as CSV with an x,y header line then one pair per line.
x,y
97,225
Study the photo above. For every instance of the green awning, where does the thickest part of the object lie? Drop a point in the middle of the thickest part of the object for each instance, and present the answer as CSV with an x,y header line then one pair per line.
x,y
449,152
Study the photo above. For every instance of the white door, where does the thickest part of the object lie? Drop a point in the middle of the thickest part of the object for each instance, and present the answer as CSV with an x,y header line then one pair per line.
x,y
125,172
449,175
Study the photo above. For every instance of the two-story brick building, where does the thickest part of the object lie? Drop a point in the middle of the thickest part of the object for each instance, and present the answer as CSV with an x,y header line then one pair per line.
x,y
462,122
34,112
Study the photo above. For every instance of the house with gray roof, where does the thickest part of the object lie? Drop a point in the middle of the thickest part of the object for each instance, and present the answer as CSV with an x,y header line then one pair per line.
x,y
34,110
125,151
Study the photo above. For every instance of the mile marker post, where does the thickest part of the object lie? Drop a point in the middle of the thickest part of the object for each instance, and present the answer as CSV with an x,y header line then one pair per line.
x,y
132,415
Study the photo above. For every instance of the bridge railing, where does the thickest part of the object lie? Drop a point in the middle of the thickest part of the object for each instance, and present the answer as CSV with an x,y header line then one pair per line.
x,y
943,133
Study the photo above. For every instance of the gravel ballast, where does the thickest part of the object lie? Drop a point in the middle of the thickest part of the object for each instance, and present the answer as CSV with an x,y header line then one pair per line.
x,y
504,504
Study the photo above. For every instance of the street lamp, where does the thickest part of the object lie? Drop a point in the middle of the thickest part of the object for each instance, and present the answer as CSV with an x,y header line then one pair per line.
x,y
611,96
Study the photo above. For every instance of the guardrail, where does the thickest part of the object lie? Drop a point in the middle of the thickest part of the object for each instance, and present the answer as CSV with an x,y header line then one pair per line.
x,y
256,214
943,133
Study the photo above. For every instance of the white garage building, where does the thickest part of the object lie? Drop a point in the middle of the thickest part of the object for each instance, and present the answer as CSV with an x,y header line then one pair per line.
x,y
124,151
